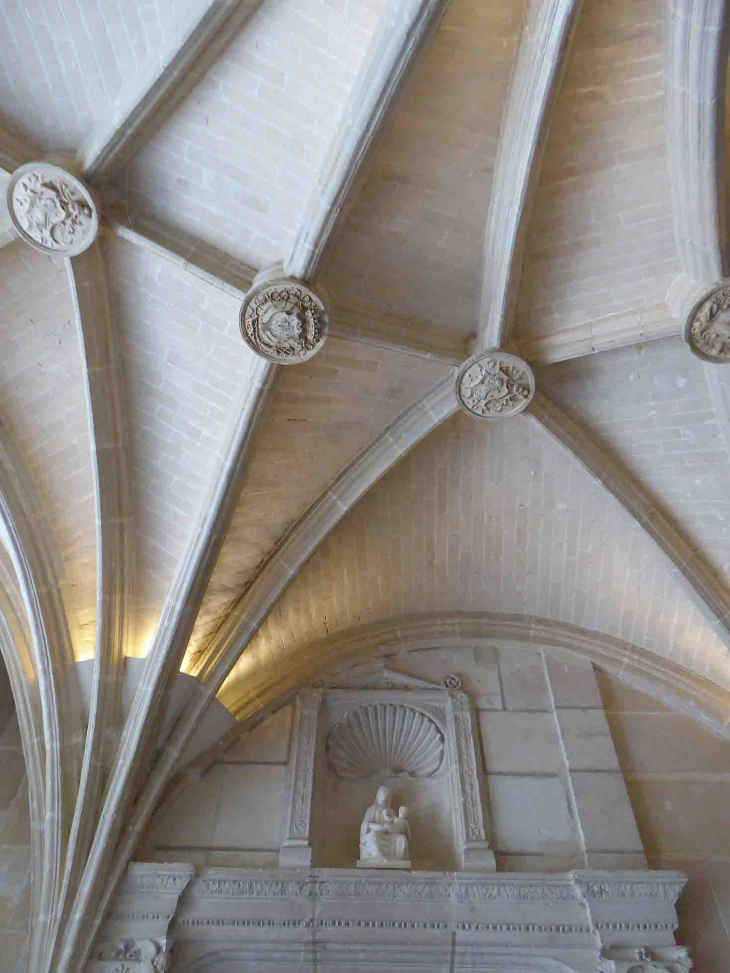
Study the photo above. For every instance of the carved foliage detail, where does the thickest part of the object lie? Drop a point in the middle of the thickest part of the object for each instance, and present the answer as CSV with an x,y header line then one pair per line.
x,y
385,738
466,760
51,209
649,959
494,385
708,326
284,321
304,771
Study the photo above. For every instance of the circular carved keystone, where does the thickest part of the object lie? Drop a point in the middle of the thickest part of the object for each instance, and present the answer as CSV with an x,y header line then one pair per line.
x,y
51,209
494,385
284,321
708,327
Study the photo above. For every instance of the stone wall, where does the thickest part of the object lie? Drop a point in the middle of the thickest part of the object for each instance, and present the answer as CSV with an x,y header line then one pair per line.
x,y
678,778
14,837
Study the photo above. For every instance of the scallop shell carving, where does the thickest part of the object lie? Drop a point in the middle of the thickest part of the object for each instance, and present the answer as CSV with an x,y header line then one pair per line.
x,y
385,738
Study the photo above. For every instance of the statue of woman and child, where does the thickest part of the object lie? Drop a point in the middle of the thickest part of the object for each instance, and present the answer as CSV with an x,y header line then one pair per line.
x,y
384,836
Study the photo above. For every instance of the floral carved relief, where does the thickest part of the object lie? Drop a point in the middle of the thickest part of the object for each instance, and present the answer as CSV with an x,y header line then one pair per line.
x,y
284,321
51,209
708,326
494,385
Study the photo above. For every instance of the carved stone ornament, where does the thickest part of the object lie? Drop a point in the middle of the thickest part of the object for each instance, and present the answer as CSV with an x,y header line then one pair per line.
x,y
284,321
51,209
494,385
708,326
385,738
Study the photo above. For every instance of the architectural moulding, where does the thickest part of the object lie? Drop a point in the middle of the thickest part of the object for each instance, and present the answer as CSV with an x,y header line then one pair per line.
x,y
51,209
663,680
602,334
296,849
162,662
708,592
159,86
314,919
283,320
697,39
28,539
114,539
405,27
494,385
253,607
536,77
222,271
707,331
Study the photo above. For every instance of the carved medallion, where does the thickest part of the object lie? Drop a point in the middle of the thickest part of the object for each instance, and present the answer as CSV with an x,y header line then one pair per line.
x,y
51,209
284,321
494,385
708,327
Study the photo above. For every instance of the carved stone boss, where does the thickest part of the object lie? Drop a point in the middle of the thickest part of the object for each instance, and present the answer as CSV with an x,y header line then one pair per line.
x,y
52,210
296,849
494,385
283,320
707,330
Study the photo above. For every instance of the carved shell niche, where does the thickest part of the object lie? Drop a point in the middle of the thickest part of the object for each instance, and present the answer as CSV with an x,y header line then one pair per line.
x,y
385,738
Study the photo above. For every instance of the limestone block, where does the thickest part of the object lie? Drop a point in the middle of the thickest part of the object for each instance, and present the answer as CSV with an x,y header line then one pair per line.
x,y
605,812
523,680
521,743
587,739
266,744
573,683
531,814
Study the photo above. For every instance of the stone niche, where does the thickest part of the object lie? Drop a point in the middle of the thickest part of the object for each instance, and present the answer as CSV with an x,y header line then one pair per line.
x,y
514,754
385,728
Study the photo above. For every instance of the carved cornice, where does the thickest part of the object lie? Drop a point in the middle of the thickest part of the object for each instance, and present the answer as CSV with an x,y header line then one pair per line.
x,y
432,887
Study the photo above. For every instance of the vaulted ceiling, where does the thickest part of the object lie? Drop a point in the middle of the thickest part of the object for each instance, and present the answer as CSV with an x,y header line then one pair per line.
x,y
545,177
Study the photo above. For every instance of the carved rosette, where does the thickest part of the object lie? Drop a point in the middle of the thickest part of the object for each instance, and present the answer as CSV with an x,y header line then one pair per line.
x,y
494,385
284,321
707,330
52,210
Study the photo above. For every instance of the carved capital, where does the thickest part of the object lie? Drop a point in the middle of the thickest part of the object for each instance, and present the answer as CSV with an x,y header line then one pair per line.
x,y
52,210
707,330
284,321
494,385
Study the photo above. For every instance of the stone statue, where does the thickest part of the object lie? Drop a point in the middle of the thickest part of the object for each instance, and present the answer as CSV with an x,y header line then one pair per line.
x,y
384,838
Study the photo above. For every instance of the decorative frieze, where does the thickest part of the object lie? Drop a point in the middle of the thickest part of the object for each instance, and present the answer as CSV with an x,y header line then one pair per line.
x,y
51,209
132,956
494,385
284,321
707,330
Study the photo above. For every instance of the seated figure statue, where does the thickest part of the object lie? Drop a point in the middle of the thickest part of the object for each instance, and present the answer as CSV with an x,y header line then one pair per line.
x,y
384,838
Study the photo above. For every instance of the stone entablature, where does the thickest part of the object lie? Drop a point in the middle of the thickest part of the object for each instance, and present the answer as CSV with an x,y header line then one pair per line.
x,y
322,918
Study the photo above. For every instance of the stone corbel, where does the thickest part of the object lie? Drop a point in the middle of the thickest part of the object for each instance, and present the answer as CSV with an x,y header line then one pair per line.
x,y
296,849
466,782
